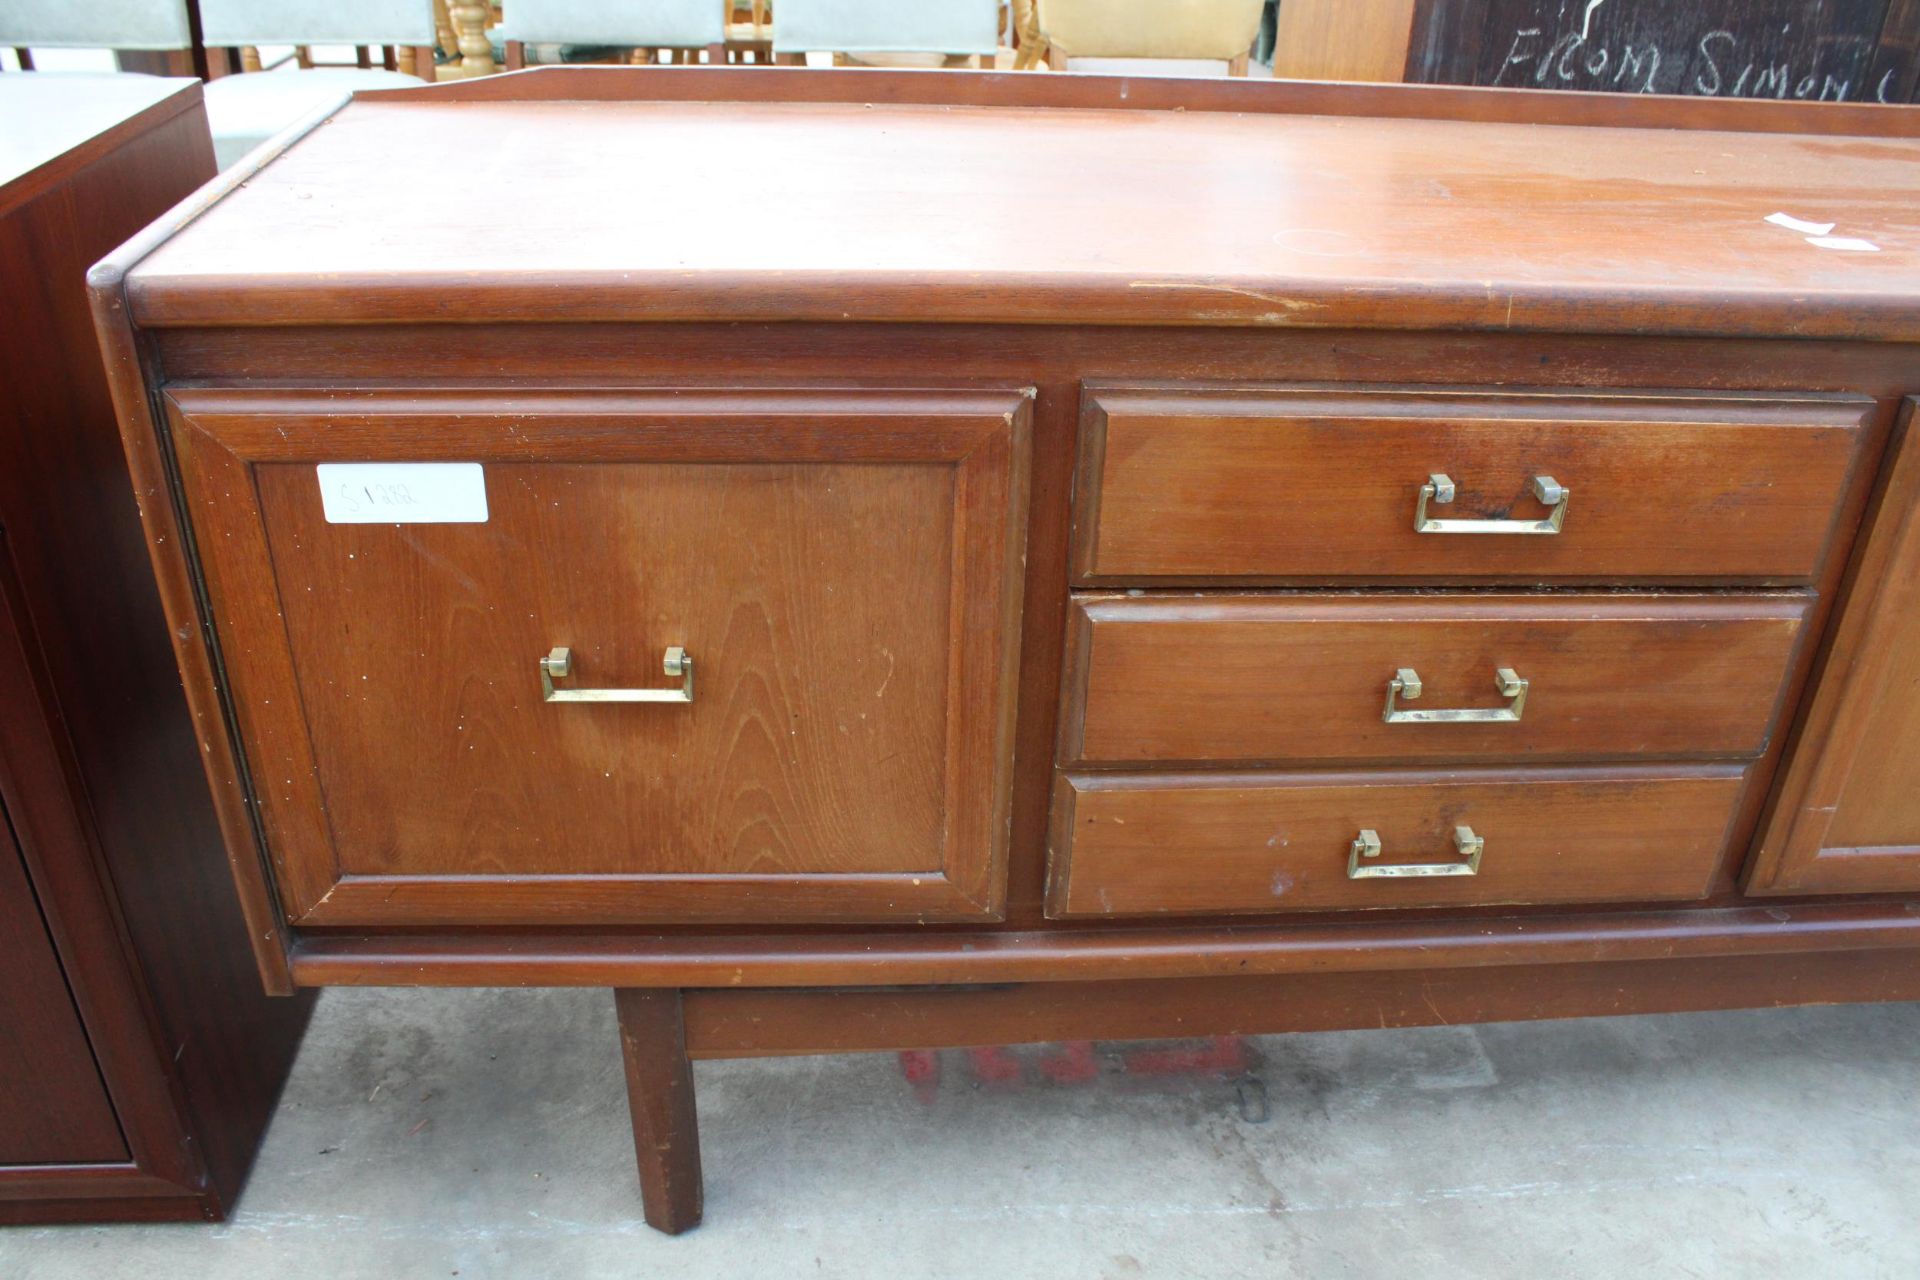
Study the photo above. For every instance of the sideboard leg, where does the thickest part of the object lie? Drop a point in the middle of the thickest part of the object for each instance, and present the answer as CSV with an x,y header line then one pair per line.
x,y
666,1135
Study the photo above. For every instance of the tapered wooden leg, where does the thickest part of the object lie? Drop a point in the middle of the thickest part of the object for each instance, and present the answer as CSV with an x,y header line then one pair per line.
x,y
666,1135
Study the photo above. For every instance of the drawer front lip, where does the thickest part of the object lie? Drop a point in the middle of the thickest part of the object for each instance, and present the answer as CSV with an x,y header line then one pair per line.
x,y
1185,485
1302,677
1174,844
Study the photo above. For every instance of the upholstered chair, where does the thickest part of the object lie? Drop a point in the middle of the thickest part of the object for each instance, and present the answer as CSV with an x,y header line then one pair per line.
x,y
591,30
1183,37
148,25
246,110
881,30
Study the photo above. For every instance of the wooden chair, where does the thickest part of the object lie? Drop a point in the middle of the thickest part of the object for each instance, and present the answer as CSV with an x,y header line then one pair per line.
x,y
1185,35
1029,43
679,28
445,38
465,32
155,26
246,110
749,30
883,30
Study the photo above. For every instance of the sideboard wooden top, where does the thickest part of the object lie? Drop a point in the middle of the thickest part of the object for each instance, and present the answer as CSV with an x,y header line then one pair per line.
x,y
637,194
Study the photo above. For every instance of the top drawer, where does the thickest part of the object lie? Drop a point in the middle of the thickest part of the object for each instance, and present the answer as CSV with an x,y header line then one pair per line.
x,y
1277,485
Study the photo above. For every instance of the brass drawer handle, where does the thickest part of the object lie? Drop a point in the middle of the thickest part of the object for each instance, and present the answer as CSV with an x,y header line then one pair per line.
x,y
558,665
1439,490
1367,845
1406,684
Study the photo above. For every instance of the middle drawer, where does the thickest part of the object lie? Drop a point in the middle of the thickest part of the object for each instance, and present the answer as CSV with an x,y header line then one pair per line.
x,y
1278,678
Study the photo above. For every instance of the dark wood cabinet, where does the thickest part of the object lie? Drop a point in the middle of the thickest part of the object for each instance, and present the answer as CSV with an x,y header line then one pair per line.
x,y
139,1058
1145,556
56,1106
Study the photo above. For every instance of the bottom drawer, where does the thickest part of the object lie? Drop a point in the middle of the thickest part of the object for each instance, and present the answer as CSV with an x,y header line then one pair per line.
x,y
1131,844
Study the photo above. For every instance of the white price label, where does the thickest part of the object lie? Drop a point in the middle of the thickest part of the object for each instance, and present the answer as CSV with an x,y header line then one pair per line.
x,y
403,492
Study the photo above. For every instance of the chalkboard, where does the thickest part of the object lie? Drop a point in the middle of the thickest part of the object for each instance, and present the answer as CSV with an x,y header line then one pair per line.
x,y
1827,50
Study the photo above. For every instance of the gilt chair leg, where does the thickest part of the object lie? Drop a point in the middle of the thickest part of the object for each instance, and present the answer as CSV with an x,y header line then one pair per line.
x,y
666,1135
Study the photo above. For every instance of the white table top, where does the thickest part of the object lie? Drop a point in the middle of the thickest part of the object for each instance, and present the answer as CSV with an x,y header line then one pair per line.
x,y
44,115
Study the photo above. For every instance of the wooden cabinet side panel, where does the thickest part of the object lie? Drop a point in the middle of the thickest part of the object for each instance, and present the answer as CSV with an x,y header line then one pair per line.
x,y
170,553
43,797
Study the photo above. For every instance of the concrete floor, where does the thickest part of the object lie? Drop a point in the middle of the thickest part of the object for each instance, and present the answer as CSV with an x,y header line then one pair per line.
x,y
483,1134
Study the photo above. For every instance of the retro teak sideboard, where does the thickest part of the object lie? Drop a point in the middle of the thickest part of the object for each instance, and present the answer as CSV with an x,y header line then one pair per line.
x,y
862,560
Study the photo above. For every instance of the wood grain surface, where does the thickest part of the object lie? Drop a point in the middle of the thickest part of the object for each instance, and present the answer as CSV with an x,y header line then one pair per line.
x,y
1411,940
99,760
57,125
127,361
1238,95
666,1127
53,1101
850,612
1133,844
1299,677
923,212
1056,360
693,436
1246,483
762,1023
554,351
1332,40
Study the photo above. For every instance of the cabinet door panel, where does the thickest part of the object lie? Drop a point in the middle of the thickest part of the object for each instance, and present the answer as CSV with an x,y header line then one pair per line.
x,y
53,1105
840,568
1846,818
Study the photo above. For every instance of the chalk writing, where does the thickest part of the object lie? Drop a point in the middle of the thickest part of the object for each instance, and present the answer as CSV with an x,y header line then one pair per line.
x,y
1719,63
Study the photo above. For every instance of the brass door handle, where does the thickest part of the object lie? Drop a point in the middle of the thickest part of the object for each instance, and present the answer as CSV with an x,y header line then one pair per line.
x,y
1439,491
1367,845
558,665
1406,684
